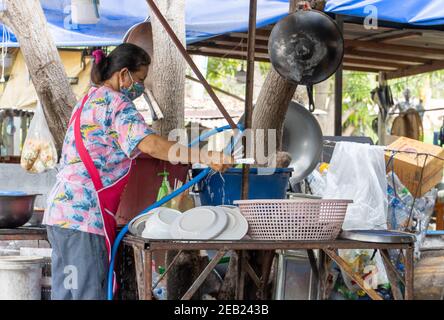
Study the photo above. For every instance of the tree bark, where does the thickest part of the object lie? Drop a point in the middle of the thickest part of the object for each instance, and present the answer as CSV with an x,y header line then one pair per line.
x,y
276,93
27,21
168,70
168,82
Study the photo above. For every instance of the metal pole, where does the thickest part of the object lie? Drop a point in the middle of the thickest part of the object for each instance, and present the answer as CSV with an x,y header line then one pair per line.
x,y
190,62
249,91
338,88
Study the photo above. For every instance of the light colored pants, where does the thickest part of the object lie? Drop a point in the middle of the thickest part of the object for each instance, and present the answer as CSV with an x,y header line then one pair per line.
x,y
79,264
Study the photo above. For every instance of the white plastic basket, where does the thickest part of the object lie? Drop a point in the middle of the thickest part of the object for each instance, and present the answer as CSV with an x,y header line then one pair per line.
x,y
299,219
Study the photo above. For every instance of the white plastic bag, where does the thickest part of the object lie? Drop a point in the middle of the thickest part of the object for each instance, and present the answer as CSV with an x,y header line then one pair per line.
x,y
357,172
39,153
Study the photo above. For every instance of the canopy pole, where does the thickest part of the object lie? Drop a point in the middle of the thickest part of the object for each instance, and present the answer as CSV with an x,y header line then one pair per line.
x,y
155,10
382,114
338,87
249,91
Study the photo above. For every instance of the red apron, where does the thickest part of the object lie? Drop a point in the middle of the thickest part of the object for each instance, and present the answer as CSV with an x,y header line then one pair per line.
x,y
109,197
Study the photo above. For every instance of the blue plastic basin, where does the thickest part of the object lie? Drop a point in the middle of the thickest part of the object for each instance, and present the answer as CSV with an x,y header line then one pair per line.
x,y
218,189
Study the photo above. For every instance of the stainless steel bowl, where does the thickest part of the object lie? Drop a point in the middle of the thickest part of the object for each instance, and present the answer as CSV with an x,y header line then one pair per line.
x,y
302,138
16,210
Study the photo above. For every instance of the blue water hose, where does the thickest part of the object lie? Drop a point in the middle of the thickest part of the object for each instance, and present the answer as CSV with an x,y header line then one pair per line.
x,y
164,200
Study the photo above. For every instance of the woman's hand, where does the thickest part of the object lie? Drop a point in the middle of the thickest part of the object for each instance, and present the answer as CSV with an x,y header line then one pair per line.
x,y
160,148
218,161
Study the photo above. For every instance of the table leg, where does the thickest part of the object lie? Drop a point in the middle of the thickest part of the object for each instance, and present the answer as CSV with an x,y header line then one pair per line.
x,y
266,270
148,274
138,261
409,273
391,275
322,275
240,283
201,278
313,264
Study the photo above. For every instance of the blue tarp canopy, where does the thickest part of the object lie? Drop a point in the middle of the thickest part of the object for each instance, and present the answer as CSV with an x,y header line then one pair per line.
x,y
209,18
204,19
411,12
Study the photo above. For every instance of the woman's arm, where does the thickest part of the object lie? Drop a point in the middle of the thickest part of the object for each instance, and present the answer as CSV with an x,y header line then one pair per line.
x,y
161,148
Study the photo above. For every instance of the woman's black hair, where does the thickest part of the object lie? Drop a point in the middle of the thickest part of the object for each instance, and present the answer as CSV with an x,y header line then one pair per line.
x,y
126,55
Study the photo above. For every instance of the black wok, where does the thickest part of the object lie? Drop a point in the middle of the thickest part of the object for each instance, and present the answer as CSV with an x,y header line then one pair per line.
x,y
306,47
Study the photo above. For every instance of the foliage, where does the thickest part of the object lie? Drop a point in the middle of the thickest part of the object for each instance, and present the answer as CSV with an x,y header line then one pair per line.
x,y
358,106
222,73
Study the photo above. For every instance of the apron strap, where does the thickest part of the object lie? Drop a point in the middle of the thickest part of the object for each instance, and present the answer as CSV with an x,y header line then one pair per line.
x,y
81,149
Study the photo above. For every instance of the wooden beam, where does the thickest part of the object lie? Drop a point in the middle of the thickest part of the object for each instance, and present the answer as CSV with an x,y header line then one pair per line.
x,y
399,36
241,45
394,34
414,70
365,62
349,271
227,48
360,69
261,34
223,54
394,47
386,56
201,278
234,40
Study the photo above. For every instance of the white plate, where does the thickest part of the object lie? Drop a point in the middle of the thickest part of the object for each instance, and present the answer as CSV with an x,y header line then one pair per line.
x,y
201,223
237,226
158,225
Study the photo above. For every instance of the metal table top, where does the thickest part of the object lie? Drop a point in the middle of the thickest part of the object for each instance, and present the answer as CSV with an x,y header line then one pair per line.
x,y
257,244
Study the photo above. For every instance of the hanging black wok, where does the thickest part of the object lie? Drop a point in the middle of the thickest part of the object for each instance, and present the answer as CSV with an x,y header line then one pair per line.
x,y
306,48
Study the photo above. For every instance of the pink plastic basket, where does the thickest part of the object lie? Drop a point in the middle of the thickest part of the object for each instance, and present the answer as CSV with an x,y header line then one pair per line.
x,y
299,219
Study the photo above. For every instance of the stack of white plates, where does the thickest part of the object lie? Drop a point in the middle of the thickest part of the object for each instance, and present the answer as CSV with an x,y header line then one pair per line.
x,y
201,223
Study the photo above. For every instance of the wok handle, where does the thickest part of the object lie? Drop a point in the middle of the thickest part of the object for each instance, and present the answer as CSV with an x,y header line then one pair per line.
x,y
311,104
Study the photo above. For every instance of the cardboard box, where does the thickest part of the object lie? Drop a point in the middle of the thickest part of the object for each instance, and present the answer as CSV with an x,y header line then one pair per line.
x,y
417,159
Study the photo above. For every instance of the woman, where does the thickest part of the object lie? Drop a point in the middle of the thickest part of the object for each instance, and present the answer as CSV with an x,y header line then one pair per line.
x,y
105,133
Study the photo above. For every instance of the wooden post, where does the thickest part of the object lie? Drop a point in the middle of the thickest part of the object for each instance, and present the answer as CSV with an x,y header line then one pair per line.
x,y
338,88
382,79
27,21
249,90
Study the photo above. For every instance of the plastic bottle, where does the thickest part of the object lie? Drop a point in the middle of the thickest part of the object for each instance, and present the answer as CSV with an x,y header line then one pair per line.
x,y
316,182
160,291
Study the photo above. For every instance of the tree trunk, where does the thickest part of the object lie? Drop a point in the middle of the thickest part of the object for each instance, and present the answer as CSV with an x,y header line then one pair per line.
x,y
168,81
272,105
276,93
269,113
27,21
168,70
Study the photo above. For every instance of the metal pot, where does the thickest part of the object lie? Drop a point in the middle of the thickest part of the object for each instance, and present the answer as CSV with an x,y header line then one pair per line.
x,y
306,47
16,210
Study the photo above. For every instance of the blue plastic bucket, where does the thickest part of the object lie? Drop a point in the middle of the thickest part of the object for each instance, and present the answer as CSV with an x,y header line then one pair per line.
x,y
217,189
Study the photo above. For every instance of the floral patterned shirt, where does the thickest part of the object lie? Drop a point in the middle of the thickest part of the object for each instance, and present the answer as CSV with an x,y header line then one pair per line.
x,y
111,128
